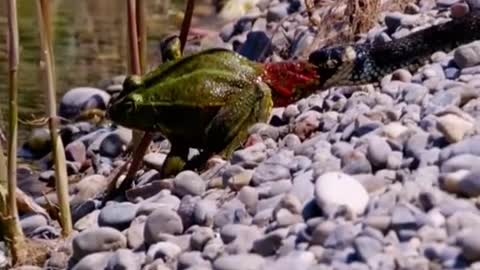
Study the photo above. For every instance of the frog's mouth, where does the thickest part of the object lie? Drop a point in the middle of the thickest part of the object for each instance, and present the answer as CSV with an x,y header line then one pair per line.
x,y
119,111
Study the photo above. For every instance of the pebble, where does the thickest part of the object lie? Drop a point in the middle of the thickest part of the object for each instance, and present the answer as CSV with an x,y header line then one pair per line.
x,y
162,221
80,99
188,183
453,127
239,262
97,260
123,259
336,188
96,240
118,216
467,55
378,151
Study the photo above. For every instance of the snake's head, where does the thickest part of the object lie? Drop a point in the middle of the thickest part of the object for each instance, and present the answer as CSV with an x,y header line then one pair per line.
x,y
333,61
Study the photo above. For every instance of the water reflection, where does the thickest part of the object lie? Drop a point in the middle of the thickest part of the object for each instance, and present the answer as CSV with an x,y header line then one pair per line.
x,y
90,46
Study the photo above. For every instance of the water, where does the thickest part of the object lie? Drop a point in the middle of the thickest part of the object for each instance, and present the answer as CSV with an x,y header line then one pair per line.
x,y
90,45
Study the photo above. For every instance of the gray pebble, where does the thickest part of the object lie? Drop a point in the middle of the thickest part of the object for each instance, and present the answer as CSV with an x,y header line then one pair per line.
x,y
378,151
97,260
97,240
239,262
118,215
162,221
188,183
123,259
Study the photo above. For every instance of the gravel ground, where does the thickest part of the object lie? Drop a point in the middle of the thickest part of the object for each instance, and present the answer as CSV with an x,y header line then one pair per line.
x,y
383,178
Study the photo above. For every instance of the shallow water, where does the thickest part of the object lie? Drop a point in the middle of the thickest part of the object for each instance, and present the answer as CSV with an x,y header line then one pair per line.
x,y
90,45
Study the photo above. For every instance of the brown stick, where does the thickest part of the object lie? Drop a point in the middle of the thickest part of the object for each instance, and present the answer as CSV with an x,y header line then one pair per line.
x,y
187,20
133,37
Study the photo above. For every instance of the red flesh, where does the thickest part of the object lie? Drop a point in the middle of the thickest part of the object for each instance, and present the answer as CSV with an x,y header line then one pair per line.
x,y
286,78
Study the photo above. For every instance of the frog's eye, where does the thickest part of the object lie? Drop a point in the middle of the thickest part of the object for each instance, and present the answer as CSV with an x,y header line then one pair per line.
x,y
132,82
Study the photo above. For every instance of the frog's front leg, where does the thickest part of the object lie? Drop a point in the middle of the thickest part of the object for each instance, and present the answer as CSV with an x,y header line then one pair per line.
x,y
229,128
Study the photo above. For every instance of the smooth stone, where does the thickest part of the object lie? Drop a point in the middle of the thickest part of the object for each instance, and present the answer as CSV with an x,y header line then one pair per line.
x,y
378,151
454,127
88,188
88,221
97,240
277,12
112,145
135,232
239,262
469,242
200,237
256,47
162,221
356,163
469,145
249,197
166,251
123,259
250,157
239,179
118,216
270,243
367,247
297,259
467,55
470,184
97,260
461,162
80,99
76,151
154,160
192,260
339,189
188,183
31,222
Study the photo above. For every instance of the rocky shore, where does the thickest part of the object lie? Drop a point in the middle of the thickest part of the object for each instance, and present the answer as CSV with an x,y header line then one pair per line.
x,y
381,177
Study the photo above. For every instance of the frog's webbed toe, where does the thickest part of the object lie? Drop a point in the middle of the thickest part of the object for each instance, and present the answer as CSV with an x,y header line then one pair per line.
x,y
175,161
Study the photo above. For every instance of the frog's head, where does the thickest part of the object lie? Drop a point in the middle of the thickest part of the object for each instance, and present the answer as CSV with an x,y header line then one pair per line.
x,y
122,108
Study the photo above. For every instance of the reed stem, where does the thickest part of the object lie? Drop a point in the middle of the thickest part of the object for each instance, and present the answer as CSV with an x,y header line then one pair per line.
x,y
61,177
10,219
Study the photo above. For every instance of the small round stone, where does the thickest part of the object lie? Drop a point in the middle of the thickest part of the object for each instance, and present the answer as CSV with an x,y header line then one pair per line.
x,y
339,189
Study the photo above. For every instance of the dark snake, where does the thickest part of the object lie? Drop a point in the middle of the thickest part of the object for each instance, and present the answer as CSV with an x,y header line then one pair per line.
x,y
365,63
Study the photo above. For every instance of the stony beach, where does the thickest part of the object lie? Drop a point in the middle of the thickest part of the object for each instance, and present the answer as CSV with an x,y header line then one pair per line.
x,y
375,177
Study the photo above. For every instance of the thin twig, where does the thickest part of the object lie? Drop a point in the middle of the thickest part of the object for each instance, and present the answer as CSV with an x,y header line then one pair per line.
x,y
133,37
187,20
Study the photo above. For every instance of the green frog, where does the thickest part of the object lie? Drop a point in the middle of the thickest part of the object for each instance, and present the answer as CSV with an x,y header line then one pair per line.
x,y
207,101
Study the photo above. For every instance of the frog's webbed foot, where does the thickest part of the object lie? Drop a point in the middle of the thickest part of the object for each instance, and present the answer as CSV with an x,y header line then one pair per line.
x,y
175,161
229,128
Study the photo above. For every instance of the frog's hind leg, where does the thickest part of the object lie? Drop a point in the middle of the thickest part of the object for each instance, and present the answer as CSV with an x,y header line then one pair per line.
x,y
229,128
175,160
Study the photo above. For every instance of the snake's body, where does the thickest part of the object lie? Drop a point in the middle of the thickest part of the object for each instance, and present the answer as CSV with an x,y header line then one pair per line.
x,y
368,63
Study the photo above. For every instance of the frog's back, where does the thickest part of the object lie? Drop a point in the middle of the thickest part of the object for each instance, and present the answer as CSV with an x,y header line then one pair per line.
x,y
211,59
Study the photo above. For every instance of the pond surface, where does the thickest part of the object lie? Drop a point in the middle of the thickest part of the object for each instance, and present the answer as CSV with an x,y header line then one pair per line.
x,y
90,45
